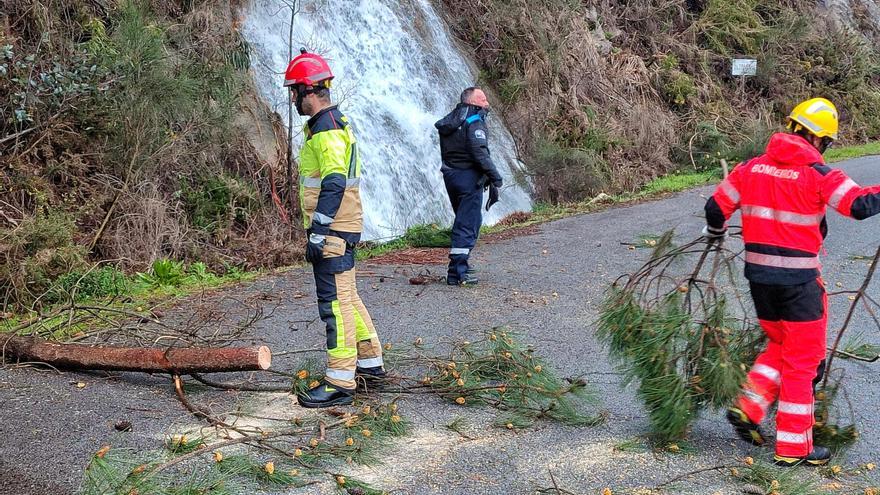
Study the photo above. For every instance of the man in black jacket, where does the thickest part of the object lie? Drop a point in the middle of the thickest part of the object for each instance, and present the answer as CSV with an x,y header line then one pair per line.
x,y
467,170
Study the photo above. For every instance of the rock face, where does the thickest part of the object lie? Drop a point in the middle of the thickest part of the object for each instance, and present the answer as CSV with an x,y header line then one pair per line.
x,y
861,15
397,71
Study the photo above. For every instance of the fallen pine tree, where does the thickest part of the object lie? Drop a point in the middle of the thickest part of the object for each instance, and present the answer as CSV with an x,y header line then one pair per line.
x,y
174,360
677,336
682,331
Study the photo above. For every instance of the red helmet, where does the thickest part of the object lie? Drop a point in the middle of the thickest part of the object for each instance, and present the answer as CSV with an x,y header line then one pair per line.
x,y
308,69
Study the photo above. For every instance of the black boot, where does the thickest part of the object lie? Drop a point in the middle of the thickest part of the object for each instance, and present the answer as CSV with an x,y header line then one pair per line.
x,y
370,378
467,281
325,395
744,427
818,457
372,373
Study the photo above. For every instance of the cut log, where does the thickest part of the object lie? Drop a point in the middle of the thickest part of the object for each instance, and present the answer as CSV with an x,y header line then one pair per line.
x,y
177,360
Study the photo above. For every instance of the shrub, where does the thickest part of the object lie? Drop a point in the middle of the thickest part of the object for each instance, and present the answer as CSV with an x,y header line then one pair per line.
x,y
706,146
35,253
564,175
428,236
678,87
733,27
510,88
39,91
214,203
93,284
753,144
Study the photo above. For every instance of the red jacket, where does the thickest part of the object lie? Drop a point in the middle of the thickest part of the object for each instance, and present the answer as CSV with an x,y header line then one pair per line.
x,y
782,195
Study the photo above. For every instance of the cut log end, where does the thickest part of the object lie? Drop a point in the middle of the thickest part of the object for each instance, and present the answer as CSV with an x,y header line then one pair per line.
x,y
264,357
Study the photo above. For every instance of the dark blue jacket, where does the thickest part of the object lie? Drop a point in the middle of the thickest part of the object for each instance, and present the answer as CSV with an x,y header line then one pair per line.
x,y
464,141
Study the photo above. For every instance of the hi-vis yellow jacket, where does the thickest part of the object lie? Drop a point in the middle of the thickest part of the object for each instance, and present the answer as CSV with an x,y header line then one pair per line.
x,y
329,174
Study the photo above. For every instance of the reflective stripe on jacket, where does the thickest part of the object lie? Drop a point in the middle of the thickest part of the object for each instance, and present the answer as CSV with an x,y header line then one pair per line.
x,y
782,196
329,174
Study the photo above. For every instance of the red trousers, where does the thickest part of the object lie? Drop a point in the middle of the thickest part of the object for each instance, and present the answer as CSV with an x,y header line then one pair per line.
x,y
795,318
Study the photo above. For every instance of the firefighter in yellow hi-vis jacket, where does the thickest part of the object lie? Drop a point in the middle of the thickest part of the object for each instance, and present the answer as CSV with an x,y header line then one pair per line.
x,y
330,170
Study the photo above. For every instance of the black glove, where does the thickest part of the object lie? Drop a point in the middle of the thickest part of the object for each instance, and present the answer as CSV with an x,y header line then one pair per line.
x,y
315,247
493,196
483,183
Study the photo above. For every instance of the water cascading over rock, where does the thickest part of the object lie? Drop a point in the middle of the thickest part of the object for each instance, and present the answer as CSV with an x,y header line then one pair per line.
x,y
397,72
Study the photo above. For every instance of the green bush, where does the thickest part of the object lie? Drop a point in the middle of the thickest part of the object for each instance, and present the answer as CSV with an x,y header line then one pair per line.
x,y
94,284
200,271
160,107
733,27
563,175
678,87
752,145
214,203
706,147
34,254
863,107
38,92
428,236
585,134
49,229
510,88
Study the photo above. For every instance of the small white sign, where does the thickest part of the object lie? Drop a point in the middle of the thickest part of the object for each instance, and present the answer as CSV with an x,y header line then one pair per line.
x,y
744,67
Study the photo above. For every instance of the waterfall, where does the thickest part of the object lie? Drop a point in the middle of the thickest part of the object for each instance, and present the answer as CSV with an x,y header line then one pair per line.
x,y
397,72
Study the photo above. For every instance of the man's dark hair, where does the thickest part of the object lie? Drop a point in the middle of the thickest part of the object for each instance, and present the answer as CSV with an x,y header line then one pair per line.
x,y
323,93
467,93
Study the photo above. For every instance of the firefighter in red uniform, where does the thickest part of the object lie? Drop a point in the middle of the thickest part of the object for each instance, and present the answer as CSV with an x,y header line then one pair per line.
x,y
782,196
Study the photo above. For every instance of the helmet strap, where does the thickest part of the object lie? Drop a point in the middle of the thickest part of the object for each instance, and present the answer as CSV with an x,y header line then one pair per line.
x,y
303,90
824,142
299,103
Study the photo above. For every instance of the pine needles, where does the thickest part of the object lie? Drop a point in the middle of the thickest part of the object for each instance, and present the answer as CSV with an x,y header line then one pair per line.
x,y
828,430
501,372
677,337
771,479
237,458
252,460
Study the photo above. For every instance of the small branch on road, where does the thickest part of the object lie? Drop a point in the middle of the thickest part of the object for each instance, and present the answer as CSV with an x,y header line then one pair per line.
x,y
240,387
555,488
693,473
235,441
195,411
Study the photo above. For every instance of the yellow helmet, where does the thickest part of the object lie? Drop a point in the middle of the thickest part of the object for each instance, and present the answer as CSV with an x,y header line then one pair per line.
x,y
818,116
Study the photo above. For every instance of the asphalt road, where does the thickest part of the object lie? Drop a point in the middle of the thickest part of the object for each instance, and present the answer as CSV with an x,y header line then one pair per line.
x,y
50,427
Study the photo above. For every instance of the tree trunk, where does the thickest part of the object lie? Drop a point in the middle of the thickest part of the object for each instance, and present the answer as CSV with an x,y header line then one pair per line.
x,y
151,360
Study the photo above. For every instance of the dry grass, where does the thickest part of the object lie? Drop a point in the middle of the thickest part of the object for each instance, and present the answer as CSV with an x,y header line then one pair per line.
x,y
147,228
130,150
627,92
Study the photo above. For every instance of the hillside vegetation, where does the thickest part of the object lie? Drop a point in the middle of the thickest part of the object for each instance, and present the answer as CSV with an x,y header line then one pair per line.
x,y
603,96
128,135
